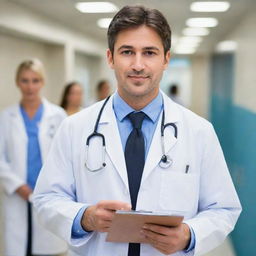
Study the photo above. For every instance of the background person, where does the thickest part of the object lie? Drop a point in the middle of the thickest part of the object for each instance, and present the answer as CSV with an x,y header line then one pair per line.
x,y
103,90
26,129
72,98
174,93
89,189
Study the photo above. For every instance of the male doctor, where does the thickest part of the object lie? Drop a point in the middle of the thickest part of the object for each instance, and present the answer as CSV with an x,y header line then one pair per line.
x,y
79,188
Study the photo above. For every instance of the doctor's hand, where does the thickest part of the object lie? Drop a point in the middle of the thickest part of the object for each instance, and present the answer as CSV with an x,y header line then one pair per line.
x,y
98,217
24,191
167,240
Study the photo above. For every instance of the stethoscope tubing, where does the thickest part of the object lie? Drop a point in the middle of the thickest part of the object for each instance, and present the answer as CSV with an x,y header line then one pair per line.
x,y
165,159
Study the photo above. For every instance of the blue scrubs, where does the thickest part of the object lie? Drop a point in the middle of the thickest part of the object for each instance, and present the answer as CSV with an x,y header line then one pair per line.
x,y
34,159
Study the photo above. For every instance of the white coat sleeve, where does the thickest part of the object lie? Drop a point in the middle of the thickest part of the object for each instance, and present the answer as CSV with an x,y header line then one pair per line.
x,y
219,206
54,197
9,180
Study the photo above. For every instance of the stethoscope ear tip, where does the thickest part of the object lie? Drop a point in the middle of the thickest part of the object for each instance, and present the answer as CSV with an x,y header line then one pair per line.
x,y
104,164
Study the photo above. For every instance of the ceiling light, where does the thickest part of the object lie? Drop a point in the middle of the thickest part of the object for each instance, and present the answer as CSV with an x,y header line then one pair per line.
x,y
202,22
96,7
182,50
226,46
187,45
190,39
210,6
195,31
104,23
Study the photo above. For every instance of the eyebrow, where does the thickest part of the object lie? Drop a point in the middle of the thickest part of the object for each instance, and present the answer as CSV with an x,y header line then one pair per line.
x,y
131,47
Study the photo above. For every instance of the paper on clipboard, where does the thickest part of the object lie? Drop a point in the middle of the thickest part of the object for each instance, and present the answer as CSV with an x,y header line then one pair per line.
x,y
126,225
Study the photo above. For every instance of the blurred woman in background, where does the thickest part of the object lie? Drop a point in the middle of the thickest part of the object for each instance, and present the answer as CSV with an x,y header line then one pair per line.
x,y
26,129
103,90
72,98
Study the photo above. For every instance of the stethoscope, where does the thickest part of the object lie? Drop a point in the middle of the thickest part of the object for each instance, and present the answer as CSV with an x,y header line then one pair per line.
x,y
165,161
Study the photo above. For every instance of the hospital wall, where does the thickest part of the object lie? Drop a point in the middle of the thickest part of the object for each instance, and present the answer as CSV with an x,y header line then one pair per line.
x,y
66,54
15,49
233,112
200,85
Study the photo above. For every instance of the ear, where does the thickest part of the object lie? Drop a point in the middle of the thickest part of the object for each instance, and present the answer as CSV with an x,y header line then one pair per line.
x,y
110,59
167,59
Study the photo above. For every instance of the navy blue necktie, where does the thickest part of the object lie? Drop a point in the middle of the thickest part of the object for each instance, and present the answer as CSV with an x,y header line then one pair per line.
x,y
135,160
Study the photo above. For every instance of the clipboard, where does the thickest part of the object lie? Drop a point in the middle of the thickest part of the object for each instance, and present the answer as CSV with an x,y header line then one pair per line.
x,y
126,225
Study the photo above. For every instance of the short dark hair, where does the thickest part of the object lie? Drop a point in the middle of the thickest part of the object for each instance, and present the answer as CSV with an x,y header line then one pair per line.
x,y
135,16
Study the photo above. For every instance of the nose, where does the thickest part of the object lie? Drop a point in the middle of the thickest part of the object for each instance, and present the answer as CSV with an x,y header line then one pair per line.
x,y
30,85
138,63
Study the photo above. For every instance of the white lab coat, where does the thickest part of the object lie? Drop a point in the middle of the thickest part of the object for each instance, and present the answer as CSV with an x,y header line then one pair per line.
x,y
205,194
13,170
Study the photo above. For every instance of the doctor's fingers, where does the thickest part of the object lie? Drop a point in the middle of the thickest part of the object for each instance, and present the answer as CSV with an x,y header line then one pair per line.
x,y
164,246
103,226
156,238
103,214
163,230
114,205
176,239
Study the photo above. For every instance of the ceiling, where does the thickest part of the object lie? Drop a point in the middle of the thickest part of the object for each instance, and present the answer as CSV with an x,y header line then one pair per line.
x,y
176,12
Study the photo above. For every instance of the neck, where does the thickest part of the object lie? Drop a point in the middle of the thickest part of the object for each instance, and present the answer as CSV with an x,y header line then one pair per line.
x,y
31,104
72,109
138,102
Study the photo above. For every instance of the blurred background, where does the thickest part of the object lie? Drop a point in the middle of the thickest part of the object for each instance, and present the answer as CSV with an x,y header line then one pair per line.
x,y
212,69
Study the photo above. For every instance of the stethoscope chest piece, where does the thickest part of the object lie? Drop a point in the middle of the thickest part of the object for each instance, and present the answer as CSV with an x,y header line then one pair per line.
x,y
165,162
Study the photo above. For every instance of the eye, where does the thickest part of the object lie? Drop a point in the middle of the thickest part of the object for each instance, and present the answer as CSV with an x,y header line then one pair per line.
x,y
127,52
24,81
36,81
149,53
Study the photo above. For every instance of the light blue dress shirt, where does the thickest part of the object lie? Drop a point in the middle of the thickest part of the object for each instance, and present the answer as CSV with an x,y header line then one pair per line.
x,y
122,109
34,159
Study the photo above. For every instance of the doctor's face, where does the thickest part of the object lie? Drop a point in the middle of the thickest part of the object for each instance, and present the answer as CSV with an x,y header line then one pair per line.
x,y
30,84
138,61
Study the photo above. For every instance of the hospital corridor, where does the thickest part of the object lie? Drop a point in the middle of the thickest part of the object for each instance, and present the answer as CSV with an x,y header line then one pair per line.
x,y
56,62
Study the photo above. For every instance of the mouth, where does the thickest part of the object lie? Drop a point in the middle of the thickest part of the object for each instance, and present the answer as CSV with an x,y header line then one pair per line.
x,y
138,78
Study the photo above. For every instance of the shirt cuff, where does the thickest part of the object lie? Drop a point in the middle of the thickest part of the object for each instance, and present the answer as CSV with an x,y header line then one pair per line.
x,y
192,241
77,229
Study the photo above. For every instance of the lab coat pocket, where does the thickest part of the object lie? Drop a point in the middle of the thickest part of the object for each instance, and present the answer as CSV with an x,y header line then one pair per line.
x,y
178,192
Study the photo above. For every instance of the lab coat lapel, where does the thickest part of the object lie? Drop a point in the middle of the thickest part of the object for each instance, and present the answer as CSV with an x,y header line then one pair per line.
x,y
47,125
47,121
155,151
18,124
108,127
19,136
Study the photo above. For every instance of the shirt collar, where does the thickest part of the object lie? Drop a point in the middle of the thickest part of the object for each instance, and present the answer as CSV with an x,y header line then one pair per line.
x,y
152,110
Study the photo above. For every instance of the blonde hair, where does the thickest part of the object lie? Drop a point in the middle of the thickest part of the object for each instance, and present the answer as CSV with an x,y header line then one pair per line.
x,y
33,64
